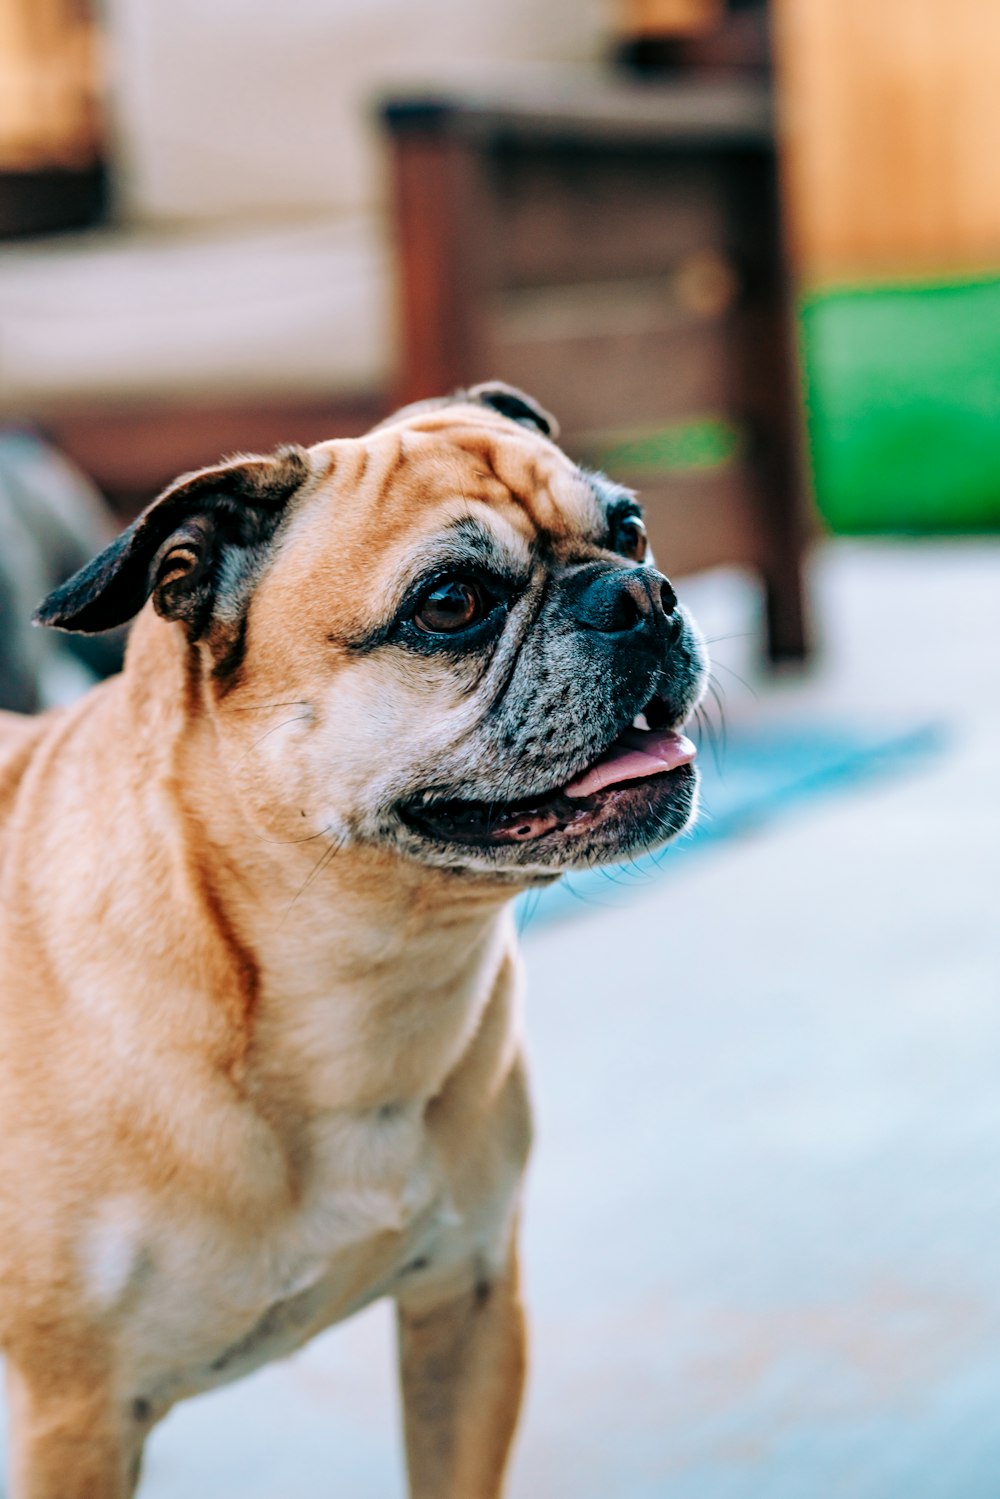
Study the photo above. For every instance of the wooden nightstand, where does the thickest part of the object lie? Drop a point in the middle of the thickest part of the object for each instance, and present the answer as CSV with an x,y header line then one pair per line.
x,y
616,249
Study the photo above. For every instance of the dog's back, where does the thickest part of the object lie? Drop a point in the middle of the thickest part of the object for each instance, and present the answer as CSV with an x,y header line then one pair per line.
x,y
19,736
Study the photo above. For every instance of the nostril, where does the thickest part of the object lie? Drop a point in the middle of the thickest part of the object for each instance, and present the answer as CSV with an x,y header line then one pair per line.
x,y
667,596
620,601
632,608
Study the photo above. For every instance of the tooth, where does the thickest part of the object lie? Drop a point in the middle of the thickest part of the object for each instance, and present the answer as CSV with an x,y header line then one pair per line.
x,y
639,722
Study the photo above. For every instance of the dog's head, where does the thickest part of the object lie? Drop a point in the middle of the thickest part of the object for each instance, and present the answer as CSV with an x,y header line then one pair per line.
x,y
443,638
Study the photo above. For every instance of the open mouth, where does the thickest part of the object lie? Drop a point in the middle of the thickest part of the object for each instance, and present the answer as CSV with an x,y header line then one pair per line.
x,y
639,772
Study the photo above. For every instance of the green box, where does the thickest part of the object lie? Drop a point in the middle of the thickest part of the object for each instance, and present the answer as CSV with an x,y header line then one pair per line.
x,y
903,397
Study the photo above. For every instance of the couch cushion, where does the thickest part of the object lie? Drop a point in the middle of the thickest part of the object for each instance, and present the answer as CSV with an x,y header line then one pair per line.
x,y
251,107
300,307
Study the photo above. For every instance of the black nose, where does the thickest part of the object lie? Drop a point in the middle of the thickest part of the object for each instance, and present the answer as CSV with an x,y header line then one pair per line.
x,y
617,601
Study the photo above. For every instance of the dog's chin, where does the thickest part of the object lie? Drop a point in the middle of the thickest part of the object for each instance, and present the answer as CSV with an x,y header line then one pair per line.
x,y
594,819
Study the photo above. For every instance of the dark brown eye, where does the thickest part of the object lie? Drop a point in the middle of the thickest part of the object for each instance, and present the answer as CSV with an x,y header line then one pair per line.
x,y
631,539
454,604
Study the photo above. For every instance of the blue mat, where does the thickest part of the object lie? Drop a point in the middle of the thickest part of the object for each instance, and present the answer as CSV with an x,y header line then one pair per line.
x,y
756,775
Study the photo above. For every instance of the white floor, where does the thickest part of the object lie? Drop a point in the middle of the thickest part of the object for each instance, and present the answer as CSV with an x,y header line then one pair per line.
x,y
763,1226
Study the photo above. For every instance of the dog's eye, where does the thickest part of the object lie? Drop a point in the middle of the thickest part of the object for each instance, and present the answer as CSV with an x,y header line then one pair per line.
x,y
631,539
453,604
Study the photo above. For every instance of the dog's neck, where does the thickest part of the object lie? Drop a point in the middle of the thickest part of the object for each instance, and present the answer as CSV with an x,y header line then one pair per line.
x,y
327,946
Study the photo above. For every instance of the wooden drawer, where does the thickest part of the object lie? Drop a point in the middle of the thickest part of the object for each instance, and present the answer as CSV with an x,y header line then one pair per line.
x,y
578,215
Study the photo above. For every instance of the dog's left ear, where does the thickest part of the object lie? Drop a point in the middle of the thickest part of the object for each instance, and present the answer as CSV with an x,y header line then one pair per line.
x,y
193,549
513,403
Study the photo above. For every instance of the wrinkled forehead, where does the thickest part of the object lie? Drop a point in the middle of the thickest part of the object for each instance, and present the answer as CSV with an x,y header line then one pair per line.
x,y
417,474
444,488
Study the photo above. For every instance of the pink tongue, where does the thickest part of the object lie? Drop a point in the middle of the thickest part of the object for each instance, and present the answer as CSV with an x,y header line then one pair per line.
x,y
634,755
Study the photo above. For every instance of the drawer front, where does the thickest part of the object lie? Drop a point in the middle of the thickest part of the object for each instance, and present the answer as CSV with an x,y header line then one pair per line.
x,y
578,215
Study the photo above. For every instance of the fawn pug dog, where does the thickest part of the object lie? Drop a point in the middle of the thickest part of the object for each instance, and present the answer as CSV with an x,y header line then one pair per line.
x,y
260,1051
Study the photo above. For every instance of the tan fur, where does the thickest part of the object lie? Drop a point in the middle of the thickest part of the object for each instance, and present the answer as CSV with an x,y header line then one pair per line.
x,y
241,1095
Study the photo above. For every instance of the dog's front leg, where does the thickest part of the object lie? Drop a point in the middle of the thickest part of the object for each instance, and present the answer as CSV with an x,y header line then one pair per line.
x,y
462,1367
68,1440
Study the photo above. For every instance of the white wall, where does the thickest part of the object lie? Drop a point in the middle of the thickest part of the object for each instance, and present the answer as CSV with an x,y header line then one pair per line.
x,y
252,107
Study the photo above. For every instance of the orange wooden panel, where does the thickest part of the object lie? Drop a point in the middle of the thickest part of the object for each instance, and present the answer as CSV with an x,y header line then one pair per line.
x,y
48,85
891,125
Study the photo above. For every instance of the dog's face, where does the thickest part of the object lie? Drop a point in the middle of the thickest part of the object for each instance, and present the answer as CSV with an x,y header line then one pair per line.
x,y
444,639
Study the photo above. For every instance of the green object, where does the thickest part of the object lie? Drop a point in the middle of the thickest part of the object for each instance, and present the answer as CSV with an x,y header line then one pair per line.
x,y
903,403
903,395
697,445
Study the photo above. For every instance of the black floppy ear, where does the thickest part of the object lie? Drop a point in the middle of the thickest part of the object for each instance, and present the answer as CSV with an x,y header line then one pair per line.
x,y
197,541
513,403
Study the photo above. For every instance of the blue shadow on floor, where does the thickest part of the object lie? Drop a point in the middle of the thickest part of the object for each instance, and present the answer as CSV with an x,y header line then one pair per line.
x,y
747,779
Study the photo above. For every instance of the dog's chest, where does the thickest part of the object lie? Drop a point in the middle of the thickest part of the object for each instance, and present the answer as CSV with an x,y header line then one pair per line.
x,y
206,1299
345,1201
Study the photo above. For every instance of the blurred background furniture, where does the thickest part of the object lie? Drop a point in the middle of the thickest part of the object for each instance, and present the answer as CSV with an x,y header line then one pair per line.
x,y
608,237
239,289
52,168
616,249
237,284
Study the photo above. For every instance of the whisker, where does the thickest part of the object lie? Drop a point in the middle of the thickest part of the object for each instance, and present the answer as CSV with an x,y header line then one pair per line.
x,y
707,731
295,702
742,680
659,854
325,859
717,697
576,894
287,842
299,718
